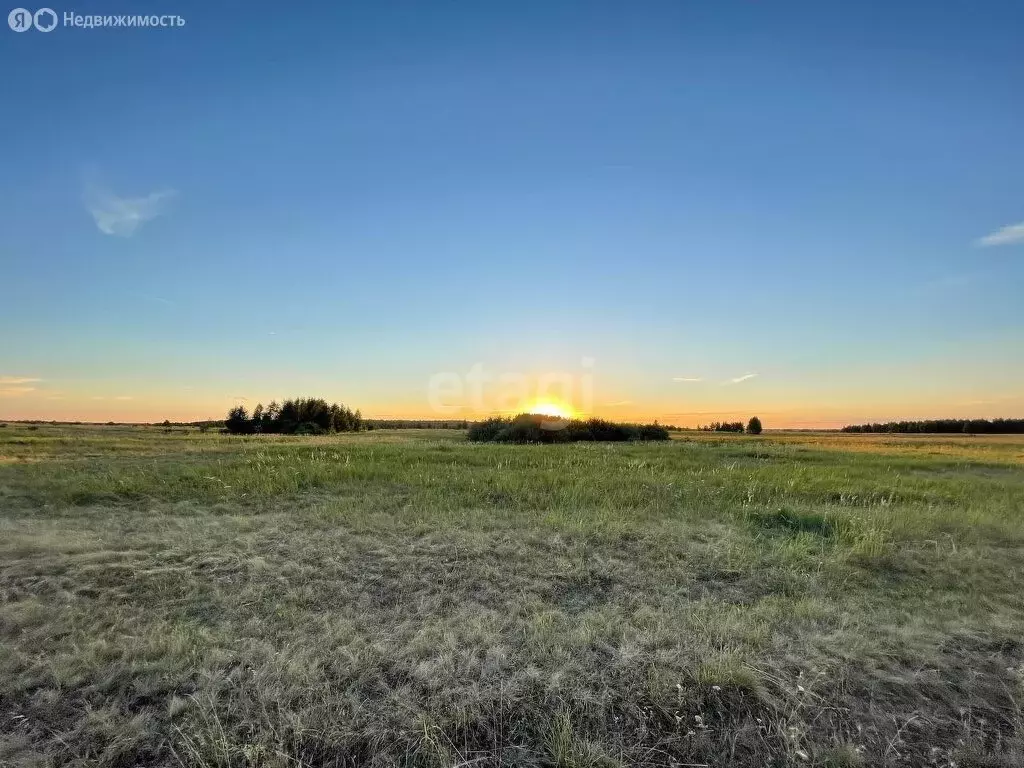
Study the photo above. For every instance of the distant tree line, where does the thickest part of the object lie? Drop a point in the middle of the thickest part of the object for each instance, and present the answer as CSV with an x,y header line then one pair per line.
x,y
753,426
534,428
722,426
415,424
301,416
963,426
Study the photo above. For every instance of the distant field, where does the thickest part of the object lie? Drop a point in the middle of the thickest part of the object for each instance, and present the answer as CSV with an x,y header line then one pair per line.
x,y
407,598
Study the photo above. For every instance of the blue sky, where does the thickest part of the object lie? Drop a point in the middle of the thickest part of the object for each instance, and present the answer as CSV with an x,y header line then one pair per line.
x,y
347,199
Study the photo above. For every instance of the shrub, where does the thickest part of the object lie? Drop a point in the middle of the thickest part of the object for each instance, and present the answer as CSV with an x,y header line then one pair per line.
x,y
652,432
485,431
534,428
606,431
754,426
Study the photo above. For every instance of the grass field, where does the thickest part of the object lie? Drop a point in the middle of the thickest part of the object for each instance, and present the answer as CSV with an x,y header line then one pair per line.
x,y
408,598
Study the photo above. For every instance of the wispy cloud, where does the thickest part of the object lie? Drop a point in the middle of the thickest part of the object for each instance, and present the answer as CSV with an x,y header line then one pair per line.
x,y
15,391
739,379
618,403
16,386
1005,236
993,400
687,379
157,299
122,216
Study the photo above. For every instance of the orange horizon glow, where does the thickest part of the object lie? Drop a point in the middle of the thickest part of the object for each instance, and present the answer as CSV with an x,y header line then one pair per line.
x,y
772,416
778,404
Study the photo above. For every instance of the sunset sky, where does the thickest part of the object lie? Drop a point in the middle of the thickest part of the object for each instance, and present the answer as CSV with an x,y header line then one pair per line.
x,y
811,211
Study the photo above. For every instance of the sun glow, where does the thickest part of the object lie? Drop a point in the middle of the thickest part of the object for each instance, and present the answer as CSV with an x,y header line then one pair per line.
x,y
551,408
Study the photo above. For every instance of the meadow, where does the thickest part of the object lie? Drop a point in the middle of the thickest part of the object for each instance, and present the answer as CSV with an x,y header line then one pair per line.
x,y
408,598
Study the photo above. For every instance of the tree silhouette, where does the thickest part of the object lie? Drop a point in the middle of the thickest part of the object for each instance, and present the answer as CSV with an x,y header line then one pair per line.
x,y
237,422
304,416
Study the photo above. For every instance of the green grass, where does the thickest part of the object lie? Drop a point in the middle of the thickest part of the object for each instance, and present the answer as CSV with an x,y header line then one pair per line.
x,y
408,598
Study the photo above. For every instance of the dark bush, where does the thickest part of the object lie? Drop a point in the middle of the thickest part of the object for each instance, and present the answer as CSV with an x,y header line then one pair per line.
x,y
606,431
533,428
754,426
485,431
652,432
309,428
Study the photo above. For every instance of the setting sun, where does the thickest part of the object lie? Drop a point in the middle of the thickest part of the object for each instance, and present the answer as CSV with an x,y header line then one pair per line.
x,y
551,408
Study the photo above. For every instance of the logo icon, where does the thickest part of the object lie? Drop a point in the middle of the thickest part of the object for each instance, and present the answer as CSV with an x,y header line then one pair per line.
x,y
20,20
45,19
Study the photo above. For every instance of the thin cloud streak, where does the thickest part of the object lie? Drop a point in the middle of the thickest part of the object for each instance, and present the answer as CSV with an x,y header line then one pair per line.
x,y
687,379
742,378
15,391
16,381
157,299
1005,236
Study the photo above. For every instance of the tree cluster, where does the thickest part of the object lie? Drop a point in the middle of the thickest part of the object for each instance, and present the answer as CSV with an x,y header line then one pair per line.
x,y
722,426
753,426
534,428
301,416
946,426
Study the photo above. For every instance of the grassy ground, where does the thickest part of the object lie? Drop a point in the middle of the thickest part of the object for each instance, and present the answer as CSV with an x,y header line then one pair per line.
x,y
407,598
